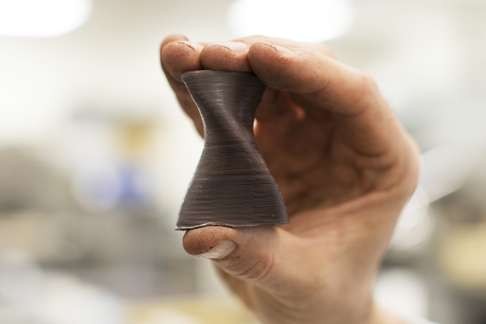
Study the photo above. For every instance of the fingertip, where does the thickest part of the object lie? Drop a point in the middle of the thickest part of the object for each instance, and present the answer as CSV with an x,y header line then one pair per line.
x,y
202,240
180,56
172,38
225,56
270,61
167,40
263,51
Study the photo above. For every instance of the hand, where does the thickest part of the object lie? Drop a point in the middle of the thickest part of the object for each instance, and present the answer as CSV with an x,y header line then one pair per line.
x,y
345,168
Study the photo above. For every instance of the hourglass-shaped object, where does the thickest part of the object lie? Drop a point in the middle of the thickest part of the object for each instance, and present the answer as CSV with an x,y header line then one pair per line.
x,y
232,185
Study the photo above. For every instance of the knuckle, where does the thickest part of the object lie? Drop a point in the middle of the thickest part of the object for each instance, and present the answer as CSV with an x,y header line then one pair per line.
x,y
281,61
409,176
363,89
366,85
254,271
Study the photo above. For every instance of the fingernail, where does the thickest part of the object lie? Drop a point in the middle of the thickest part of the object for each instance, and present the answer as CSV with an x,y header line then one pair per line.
x,y
233,46
190,44
220,251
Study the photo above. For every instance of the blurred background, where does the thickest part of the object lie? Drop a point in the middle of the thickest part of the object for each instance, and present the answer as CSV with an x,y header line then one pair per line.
x,y
95,156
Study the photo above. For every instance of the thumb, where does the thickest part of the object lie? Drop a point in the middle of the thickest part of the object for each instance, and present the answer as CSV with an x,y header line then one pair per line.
x,y
247,254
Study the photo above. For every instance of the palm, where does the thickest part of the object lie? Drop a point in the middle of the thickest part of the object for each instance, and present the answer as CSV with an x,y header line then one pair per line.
x,y
310,156
318,172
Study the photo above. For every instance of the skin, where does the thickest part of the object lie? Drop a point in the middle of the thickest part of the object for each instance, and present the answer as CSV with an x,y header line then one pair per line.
x,y
345,168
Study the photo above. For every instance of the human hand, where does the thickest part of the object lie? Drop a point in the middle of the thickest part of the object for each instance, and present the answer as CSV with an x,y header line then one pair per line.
x,y
345,168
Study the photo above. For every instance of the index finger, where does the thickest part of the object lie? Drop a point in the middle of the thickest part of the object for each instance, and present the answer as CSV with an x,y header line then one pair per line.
x,y
178,55
318,81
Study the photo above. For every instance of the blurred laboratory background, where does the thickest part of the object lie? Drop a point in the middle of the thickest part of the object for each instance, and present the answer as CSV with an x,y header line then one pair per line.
x,y
95,155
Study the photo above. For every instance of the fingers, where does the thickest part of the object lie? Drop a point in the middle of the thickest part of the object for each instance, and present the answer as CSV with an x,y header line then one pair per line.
x,y
246,254
308,72
318,82
228,56
305,71
178,55
254,254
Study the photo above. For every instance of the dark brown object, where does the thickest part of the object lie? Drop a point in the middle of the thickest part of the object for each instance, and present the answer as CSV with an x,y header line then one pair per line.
x,y
232,185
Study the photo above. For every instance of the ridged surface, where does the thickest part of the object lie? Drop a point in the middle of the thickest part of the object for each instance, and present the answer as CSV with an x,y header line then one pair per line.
x,y
232,185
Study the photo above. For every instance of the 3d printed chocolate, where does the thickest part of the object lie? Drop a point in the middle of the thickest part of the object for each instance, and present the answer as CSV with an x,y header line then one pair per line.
x,y
232,185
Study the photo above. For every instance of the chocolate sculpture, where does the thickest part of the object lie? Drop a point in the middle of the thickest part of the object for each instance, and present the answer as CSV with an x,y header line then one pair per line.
x,y
232,185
